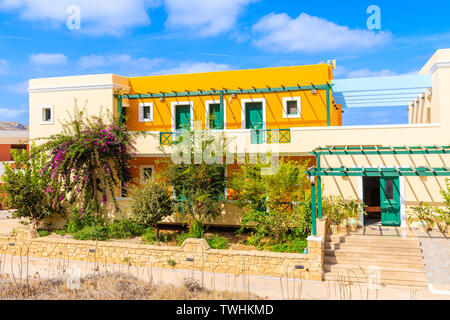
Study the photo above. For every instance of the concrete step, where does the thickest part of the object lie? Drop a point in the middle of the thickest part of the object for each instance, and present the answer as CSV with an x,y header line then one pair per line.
x,y
419,265
384,272
328,276
374,241
385,249
394,257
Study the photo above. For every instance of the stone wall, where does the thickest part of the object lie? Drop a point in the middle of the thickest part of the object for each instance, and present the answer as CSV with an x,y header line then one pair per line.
x,y
194,254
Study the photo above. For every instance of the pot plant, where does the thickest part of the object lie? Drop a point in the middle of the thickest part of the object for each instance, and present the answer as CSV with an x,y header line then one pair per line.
x,y
424,214
351,210
332,209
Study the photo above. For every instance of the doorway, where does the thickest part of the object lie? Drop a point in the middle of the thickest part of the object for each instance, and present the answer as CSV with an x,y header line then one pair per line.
x,y
371,197
382,197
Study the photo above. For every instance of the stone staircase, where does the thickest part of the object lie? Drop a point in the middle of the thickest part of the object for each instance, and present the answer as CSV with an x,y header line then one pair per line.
x,y
360,258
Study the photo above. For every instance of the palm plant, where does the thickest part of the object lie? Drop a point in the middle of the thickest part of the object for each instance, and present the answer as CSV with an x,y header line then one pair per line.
x,y
424,213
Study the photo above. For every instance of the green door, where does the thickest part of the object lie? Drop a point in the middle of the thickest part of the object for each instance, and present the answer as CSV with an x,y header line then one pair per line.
x,y
183,117
390,201
254,121
215,116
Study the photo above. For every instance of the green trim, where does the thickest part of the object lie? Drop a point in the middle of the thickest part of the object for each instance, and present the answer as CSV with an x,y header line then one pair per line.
x,y
270,136
226,91
165,138
319,189
378,172
119,109
375,150
313,209
328,106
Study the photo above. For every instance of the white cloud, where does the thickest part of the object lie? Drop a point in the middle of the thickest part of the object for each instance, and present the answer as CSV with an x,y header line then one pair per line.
x,y
206,17
367,73
98,17
11,114
120,61
309,34
199,67
19,88
46,59
3,66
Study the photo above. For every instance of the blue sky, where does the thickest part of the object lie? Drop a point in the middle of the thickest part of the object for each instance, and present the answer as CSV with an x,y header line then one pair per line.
x,y
144,37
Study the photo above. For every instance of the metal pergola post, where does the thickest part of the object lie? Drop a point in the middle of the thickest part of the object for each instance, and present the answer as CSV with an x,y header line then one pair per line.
x,y
328,106
119,109
313,207
319,189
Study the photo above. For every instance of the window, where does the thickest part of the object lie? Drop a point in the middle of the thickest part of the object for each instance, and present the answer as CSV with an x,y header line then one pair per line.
x,y
145,112
389,189
146,172
214,117
20,147
291,107
47,115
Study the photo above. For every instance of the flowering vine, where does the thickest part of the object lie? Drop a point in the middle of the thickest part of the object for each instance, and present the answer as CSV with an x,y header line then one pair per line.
x,y
88,160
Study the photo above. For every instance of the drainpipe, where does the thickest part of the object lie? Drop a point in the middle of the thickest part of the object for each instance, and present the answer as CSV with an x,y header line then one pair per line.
x,y
328,105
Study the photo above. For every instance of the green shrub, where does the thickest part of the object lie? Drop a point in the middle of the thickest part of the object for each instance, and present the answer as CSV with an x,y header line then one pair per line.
x,y
196,231
122,229
293,245
95,232
218,242
150,203
27,187
78,219
43,233
149,236
60,232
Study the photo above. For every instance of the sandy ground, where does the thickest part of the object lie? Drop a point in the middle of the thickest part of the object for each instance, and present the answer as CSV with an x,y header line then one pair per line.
x,y
268,287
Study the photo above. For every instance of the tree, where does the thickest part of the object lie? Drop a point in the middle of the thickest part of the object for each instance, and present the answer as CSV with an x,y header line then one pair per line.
x,y
27,187
150,203
89,158
273,204
197,187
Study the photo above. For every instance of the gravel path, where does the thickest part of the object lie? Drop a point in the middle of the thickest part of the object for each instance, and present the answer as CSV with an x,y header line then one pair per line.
x,y
436,256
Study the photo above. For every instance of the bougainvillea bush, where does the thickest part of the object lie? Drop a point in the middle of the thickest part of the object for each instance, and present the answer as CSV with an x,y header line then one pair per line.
x,y
88,160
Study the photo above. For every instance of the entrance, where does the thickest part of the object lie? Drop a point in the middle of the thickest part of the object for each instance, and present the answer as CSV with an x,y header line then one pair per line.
x,y
382,197
254,121
183,117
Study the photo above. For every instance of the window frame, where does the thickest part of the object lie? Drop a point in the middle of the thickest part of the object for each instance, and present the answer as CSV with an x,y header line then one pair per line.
x,y
207,110
141,111
142,171
299,107
52,115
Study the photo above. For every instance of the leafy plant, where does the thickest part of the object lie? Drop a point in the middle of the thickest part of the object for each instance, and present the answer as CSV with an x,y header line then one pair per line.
x,y
43,232
218,242
273,204
124,228
443,214
196,231
78,220
26,187
171,263
424,212
150,203
198,188
94,232
352,208
333,210
60,232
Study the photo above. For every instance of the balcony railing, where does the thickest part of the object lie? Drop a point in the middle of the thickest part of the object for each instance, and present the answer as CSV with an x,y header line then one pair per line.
x,y
261,136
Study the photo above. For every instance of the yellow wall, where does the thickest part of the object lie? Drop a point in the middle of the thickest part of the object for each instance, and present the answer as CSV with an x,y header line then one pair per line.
x,y
313,106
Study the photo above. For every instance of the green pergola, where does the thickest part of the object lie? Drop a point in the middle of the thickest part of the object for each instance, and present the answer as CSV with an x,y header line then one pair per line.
x,y
316,173
224,91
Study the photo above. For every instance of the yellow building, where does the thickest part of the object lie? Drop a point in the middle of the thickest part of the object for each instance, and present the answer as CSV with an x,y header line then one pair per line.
x,y
293,109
